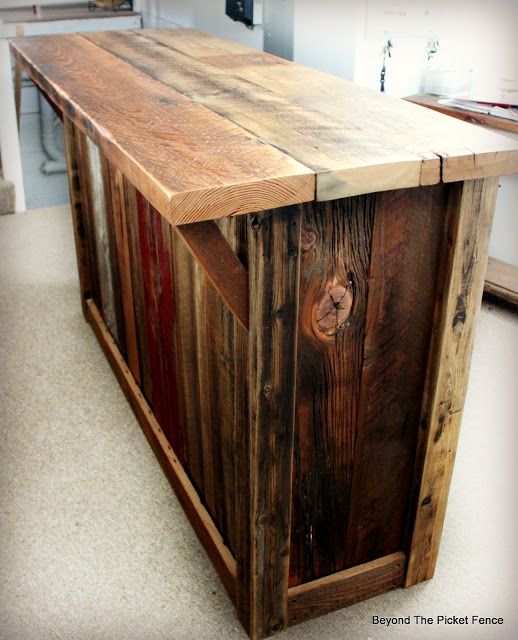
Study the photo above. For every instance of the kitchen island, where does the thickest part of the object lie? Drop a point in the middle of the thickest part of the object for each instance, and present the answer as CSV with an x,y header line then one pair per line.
x,y
284,271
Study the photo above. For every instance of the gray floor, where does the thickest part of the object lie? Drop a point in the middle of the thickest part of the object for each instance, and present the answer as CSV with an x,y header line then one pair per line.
x,y
93,544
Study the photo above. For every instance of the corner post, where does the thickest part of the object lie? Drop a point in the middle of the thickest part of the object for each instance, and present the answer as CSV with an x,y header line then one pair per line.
x,y
265,501
471,207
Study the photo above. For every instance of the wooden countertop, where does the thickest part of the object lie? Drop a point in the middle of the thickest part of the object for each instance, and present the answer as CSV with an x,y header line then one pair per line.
x,y
208,128
432,102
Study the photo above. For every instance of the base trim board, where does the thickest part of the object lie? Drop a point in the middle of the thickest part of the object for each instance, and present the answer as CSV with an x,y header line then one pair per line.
x,y
198,516
344,588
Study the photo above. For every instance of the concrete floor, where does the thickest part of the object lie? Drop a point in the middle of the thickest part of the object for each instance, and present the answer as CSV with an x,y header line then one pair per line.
x,y
93,543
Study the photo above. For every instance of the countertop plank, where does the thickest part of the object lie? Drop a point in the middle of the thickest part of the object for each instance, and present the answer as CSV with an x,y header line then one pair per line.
x,y
189,162
218,128
356,140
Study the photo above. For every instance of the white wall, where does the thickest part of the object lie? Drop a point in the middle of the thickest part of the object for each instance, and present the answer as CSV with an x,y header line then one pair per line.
x,y
474,35
326,34
278,27
481,35
207,15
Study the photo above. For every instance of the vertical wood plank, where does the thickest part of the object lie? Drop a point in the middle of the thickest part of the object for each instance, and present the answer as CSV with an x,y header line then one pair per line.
x,y
137,286
409,226
336,238
111,215
471,208
101,233
79,221
234,351
235,230
189,406
273,263
159,318
242,476
87,208
167,323
206,337
155,252
117,192
150,307
209,424
214,330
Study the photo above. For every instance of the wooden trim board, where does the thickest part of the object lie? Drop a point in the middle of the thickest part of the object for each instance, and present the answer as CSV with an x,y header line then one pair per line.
x,y
432,102
220,264
502,281
471,208
198,516
344,588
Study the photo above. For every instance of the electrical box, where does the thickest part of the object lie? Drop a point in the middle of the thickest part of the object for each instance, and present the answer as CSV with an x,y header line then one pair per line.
x,y
246,11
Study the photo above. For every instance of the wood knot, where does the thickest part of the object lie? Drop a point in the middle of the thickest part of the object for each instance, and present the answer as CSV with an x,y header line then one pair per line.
x,y
333,309
308,238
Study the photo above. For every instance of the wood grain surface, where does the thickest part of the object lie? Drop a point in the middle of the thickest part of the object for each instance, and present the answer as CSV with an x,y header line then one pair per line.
x,y
160,318
137,286
357,141
112,241
190,163
211,345
344,588
335,248
409,227
245,131
470,211
220,265
502,281
263,572
119,213
76,139
103,240
485,119
365,325
195,510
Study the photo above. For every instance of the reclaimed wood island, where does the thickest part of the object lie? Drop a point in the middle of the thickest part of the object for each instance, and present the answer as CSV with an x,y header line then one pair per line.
x,y
284,271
